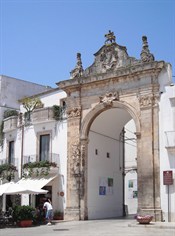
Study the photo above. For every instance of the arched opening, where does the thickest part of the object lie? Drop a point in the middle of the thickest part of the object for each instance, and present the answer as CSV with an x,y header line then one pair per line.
x,y
111,163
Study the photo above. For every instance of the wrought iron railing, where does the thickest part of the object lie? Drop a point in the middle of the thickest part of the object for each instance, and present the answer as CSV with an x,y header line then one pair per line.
x,y
52,157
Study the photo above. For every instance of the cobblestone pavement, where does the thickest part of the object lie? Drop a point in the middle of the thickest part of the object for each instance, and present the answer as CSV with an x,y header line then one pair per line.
x,y
112,227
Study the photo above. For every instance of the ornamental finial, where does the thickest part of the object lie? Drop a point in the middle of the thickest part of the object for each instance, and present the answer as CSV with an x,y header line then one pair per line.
x,y
110,37
146,56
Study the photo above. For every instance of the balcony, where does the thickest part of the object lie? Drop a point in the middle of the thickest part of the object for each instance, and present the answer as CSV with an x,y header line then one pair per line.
x,y
31,169
53,157
42,115
10,123
170,140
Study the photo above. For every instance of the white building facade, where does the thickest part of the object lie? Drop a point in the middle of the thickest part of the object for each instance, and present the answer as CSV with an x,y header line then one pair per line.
x,y
41,138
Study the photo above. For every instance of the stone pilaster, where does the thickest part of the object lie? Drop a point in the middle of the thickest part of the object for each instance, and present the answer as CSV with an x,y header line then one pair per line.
x,y
83,180
74,161
148,159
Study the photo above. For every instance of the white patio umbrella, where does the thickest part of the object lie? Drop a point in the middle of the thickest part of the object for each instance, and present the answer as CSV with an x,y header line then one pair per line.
x,y
12,188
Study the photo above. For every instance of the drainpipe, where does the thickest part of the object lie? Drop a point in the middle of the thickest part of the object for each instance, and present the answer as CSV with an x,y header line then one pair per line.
x,y
152,117
123,143
80,171
22,147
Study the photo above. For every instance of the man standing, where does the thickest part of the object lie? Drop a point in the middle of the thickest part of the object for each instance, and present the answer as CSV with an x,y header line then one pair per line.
x,y
49,211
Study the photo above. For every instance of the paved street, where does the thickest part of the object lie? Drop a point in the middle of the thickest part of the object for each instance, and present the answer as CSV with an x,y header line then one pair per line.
x,y
117,227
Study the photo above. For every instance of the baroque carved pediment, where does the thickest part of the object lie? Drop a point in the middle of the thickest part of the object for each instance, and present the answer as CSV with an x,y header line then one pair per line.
x,y
111,57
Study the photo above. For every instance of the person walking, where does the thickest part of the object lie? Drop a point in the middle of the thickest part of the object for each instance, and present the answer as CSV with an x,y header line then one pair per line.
x,y
49,211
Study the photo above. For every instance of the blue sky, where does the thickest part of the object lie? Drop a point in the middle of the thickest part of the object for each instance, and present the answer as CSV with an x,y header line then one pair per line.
x,y
39,39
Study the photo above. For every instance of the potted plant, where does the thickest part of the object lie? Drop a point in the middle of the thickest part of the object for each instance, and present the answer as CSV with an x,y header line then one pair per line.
x,y
24,215
58,215
145,219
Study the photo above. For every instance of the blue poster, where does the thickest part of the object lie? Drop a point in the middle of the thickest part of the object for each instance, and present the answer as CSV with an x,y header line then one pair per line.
x,y
102,190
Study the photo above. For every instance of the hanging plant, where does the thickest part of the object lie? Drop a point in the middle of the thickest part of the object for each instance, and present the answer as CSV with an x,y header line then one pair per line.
x,y
7,171
58,112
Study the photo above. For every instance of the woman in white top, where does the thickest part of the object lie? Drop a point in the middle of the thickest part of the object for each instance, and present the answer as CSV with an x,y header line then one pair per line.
x,y
49,211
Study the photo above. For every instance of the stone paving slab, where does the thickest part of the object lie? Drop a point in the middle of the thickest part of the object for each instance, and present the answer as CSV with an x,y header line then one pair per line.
x,y
93,228
161,225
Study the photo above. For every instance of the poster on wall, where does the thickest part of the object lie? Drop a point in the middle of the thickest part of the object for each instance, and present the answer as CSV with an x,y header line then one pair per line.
x,y
102,190
106,186
132,188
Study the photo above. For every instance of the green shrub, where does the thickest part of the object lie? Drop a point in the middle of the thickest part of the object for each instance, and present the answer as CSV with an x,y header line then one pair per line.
x,y
23,213
9,113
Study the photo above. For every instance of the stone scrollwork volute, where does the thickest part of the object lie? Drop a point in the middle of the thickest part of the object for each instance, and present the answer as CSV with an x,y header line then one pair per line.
x,y
108,98
75,159
74,112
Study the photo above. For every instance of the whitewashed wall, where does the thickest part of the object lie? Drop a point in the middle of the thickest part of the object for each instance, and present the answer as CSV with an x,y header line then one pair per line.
x,y
100,168
167,157
130,164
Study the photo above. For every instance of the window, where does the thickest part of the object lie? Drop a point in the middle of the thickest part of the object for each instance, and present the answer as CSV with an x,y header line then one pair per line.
x,y
44,147
108,155
96,151
63,102
11,152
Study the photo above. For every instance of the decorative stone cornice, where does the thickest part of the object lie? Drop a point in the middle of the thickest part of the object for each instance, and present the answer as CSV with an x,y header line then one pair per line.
x,y
74,112
135,71
109,97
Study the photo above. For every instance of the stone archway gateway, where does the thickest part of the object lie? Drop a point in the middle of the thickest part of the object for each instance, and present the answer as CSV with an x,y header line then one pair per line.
x,y
114,80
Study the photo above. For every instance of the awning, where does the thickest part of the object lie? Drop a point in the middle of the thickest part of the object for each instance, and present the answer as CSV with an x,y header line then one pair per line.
x,y
15,188
36,182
